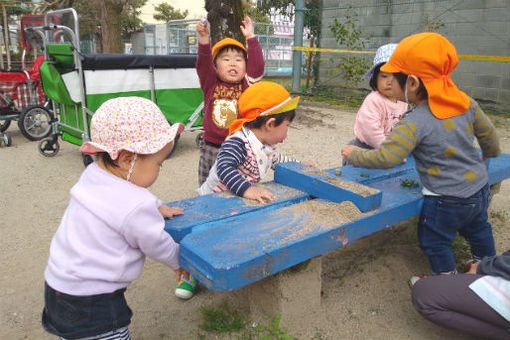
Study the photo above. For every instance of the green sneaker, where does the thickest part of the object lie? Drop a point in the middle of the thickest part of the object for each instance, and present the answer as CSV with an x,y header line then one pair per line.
x,y
186,288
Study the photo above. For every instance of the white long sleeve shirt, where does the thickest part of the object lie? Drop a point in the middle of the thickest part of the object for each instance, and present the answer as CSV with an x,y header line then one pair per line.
x,y
108,228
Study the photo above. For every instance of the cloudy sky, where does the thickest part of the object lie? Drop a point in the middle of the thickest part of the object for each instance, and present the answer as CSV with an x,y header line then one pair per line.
x,y
194,7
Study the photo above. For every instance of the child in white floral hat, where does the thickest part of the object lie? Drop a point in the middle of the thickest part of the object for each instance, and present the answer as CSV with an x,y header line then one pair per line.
x,y
380,110
111,223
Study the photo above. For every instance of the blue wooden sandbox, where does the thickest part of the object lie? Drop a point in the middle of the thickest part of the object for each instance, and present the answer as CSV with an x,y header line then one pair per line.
x,y
228,242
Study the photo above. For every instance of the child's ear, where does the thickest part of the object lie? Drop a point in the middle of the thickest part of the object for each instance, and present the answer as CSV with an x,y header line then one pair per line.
x,y
414,83
124,159
270,123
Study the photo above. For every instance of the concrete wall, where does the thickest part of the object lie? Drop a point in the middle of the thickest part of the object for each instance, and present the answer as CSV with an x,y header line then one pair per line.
x,y
475,27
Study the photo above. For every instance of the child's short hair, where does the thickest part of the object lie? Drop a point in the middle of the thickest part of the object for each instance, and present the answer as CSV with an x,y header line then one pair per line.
x,y
228,44
233,48
264,98
279,118
373,78
402,79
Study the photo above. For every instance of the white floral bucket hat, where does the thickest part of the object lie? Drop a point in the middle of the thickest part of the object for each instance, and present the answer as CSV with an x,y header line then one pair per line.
x,y
382,56
133,124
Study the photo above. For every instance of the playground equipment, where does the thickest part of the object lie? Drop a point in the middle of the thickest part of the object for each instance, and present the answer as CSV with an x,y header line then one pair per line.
x,y
21,95
79,83
228,242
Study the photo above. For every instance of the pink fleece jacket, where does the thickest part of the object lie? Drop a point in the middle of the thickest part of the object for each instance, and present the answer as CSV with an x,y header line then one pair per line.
x,y
376,117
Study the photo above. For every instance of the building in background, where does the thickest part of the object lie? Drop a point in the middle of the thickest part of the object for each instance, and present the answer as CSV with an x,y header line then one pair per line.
x,y
476,28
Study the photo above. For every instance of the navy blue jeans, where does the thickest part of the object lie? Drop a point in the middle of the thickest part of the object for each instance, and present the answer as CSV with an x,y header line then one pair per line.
x,y
443,216
73,317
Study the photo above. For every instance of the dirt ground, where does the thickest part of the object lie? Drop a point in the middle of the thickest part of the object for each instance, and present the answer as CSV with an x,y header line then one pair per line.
x,y
365,291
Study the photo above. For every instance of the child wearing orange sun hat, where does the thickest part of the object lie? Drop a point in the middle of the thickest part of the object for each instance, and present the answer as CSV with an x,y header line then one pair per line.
x,y
266,110
439,132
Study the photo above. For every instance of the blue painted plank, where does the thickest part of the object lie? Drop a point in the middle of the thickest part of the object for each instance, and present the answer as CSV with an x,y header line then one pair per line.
x,y
229,253
213,207
329,186
499,168
243,250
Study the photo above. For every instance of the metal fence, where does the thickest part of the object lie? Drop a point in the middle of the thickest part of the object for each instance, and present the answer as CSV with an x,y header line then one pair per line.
x,y
180,36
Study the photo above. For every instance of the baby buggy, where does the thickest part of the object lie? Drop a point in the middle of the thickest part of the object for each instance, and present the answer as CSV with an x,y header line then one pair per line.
x,y
21,94
79,83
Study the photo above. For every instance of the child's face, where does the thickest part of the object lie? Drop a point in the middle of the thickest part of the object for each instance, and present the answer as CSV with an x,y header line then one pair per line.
x,y
146,169
385,85
230,65
397,90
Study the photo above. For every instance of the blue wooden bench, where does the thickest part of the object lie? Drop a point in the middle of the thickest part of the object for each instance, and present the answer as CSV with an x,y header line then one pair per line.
x,y
228,242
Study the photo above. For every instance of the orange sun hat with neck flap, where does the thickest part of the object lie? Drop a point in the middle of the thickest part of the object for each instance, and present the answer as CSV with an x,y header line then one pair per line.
x,y
263,98
432,58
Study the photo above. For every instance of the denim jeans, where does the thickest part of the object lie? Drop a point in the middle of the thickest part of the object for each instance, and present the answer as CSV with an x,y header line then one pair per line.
x,y
72,317
443,216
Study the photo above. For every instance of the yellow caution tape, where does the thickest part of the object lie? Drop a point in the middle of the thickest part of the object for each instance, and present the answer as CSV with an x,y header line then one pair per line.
x,y
498,58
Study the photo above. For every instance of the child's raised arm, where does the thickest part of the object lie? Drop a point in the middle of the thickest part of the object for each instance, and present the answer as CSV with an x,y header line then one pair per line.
x,y
247,28
203,32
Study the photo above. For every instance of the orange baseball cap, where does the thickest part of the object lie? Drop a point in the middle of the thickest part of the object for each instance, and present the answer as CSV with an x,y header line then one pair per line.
x,y
432,58
226,42
262,99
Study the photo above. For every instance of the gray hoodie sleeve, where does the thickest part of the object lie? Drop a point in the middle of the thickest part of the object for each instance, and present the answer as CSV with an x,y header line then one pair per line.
x,y
496,266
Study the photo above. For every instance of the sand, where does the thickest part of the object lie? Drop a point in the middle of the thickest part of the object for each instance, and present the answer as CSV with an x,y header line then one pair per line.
x,y
364,284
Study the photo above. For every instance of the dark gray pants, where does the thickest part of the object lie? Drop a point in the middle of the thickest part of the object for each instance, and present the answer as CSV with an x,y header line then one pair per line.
x,y
448,301
208,154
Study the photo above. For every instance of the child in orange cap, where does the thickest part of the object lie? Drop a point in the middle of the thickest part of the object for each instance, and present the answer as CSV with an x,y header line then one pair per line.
x,y
439,133
225,71
266,110
111,224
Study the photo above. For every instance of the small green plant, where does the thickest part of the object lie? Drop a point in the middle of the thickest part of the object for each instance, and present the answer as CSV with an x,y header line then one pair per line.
x,y
432,24
273,331
461,252
409,183
348,34
222,319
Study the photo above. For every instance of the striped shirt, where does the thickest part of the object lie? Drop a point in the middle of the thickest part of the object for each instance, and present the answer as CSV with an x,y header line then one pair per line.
x,y
447,161
238,166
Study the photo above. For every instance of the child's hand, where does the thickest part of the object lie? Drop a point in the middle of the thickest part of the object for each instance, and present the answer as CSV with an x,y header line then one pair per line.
x,y
308,163
247,28
347,150
472,268
258,194
180,271
203,32
169,212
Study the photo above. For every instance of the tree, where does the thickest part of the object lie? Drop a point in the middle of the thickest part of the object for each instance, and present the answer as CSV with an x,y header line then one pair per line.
x,y
9,9
225,18
107,19
165,12
259,17
110,11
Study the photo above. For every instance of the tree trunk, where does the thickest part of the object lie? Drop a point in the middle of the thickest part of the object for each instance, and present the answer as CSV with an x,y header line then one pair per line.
x,y
225,17
6,38
110,25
